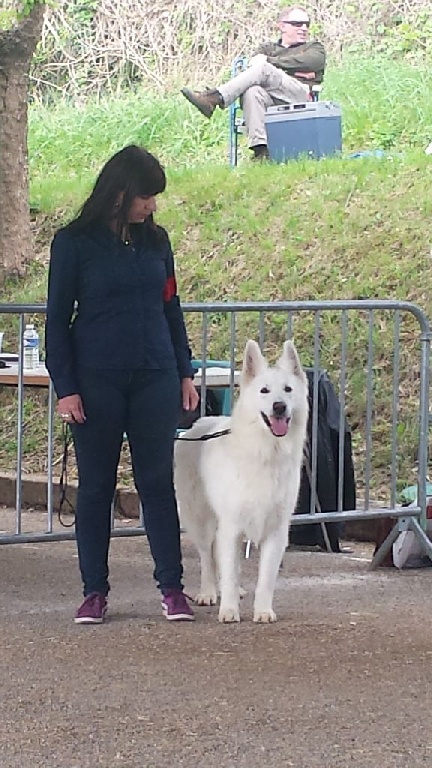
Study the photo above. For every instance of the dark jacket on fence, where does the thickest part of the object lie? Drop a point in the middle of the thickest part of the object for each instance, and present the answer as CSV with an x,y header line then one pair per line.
x,y
329,469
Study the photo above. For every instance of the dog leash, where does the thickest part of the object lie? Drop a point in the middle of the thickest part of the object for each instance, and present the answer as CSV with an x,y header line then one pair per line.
x,y
63,479
203,438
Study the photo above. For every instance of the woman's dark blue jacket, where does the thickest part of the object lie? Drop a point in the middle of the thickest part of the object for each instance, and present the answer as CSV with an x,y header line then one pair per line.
x,y
112,305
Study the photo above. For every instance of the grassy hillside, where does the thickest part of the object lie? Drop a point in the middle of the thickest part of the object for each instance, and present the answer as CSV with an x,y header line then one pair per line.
x,y
335,228
339,227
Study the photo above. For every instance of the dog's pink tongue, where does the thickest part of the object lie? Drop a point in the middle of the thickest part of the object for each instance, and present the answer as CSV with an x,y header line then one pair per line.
x,y
279,426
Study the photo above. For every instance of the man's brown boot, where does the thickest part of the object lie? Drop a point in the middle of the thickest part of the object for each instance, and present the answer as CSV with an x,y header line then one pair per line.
x,y
260,152
206,102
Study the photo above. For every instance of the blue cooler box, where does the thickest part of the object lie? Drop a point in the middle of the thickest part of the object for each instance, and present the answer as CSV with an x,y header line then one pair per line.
x,y
313,129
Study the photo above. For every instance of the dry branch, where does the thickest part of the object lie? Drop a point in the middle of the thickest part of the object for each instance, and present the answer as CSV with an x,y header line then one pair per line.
x,y
190,41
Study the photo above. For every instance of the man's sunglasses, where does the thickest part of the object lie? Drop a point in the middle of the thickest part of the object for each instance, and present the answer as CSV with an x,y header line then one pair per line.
x,y
297,23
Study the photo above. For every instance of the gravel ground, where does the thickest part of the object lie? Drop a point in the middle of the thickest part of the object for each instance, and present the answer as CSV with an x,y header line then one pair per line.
x,y
341,680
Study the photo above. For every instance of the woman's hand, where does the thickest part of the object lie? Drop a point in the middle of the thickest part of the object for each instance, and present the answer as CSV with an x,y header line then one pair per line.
x,y
70,409
190,397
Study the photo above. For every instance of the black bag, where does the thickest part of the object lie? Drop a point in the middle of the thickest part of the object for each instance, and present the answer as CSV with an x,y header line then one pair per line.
x,y
327,467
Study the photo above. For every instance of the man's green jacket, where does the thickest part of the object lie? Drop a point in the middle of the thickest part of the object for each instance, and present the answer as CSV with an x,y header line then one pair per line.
x,y
305,57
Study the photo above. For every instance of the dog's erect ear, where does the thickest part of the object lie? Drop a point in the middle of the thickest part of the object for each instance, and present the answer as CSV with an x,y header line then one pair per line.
x,y
291,360
253,361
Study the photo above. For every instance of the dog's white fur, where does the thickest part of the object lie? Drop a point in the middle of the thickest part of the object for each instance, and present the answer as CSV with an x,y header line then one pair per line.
x,y
245,484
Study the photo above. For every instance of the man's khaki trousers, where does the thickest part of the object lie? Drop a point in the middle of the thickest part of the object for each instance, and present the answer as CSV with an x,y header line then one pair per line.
x,y
260,86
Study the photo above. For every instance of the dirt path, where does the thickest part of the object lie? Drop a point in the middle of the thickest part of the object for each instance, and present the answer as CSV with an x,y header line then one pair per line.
x,y
343,679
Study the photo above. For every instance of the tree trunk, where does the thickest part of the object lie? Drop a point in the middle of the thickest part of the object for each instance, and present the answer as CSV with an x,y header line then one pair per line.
x,y
17,46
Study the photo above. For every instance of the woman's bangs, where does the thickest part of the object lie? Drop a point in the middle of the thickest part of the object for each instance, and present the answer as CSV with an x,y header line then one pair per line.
x,y
150,184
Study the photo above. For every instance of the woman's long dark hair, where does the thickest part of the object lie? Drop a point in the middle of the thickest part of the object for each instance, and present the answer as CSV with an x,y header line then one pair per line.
x,y
129,173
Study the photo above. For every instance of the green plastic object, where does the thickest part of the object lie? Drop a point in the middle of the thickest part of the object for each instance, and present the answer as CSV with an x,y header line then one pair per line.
x,y
409,494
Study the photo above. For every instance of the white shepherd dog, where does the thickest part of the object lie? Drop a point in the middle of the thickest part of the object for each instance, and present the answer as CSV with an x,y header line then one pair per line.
x,y
245,483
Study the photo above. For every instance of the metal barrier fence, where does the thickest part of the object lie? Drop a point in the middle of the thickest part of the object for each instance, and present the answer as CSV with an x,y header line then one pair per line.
x,y
376,354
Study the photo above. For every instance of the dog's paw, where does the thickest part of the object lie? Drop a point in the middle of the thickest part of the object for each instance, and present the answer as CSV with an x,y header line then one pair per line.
x,y
229,615
264,617
206,598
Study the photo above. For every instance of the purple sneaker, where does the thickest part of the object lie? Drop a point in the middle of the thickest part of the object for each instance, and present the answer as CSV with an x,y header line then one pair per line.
x,y
175,606
92,610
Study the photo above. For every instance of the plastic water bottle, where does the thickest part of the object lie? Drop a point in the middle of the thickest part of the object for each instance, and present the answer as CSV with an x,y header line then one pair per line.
x,y
31,348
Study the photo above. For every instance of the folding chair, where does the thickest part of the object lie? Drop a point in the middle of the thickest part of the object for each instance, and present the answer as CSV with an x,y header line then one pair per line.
x,y
236,122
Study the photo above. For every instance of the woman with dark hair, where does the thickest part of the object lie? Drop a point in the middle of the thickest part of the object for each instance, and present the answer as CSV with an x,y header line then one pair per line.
x,y
118,355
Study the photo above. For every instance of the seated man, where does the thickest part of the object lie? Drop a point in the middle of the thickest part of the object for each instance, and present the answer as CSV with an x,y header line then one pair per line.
x,y
278,73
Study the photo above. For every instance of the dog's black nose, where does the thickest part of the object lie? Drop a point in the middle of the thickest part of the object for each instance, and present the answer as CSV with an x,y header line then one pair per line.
x,y
279,408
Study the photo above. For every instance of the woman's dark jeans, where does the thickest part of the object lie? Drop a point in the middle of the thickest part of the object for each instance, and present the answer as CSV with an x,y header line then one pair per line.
x,y
144,405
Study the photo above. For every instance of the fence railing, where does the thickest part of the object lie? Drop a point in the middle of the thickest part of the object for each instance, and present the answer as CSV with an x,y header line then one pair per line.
x,y
375,355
